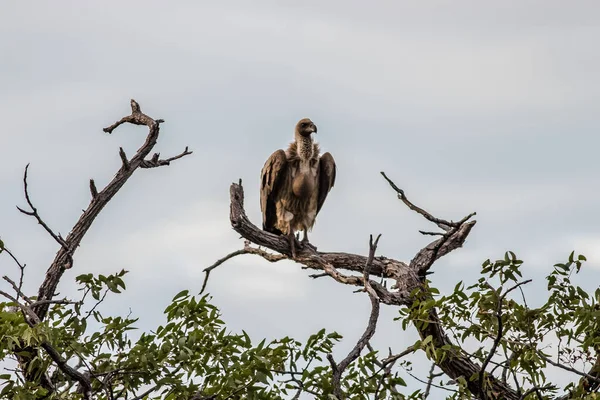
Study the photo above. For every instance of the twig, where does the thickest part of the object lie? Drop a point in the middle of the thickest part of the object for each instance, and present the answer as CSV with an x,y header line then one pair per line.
x,y
18,288
87,315
338,369
157,386
431,233
246,250
567,368
433,384
124,159
498,338
217,263
396,357
63,302
156,162
34,213
430,379
93,189
536,389
442,224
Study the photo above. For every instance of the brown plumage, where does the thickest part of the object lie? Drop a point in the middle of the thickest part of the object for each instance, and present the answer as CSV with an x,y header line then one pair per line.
x,y
294,185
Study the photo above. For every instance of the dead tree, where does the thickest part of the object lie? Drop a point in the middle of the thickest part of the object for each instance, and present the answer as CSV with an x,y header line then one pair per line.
x,y
34,312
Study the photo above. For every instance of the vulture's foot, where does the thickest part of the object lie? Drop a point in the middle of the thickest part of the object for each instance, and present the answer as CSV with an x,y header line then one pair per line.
x,y
310,245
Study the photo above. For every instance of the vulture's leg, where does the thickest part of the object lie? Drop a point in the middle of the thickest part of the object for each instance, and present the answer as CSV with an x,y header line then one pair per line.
x,y
293,243
305,241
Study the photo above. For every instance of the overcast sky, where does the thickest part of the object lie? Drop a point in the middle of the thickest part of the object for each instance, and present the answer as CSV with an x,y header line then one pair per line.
x,y
468,106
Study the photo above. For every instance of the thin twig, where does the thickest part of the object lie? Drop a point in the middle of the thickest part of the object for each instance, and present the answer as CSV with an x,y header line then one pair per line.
x,y
156,162
442,224
430,379
157,386
536,389
339,369
18,288
500,331
567,368
246,250
34,213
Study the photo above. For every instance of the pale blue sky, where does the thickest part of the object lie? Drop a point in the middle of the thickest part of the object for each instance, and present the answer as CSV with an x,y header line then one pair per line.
x,y
468,106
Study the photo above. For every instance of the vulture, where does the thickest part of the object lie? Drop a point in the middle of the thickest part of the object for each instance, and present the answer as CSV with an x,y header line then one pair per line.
x,y
294,185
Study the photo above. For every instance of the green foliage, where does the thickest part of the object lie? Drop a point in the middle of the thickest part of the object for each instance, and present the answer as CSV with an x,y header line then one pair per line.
x,y
567,324
193,354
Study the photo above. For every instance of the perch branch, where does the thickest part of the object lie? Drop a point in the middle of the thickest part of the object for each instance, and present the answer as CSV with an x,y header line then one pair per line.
x,y
408,277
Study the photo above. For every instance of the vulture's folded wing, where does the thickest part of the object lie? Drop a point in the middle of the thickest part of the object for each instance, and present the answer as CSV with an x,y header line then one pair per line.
x,y
271,176
327,172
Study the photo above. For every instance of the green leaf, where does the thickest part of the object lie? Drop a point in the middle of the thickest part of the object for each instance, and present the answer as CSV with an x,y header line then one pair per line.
x,y
180,295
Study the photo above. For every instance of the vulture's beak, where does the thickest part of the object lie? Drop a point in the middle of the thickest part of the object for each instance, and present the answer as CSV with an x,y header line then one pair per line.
x,y
314,129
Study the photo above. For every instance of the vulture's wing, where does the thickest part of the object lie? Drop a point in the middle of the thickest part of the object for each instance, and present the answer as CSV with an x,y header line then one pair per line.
x,y
271,177
326,178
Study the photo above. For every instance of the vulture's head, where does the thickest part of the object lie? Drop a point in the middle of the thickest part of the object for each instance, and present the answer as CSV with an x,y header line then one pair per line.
x,y
305,127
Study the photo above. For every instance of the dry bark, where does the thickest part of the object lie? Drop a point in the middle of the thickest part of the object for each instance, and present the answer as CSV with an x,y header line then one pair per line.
x,y
407,277
64,258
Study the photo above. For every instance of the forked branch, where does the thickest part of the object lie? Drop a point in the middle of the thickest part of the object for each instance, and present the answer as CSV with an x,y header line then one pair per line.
x,y
338,369
100,199
407,277
63,260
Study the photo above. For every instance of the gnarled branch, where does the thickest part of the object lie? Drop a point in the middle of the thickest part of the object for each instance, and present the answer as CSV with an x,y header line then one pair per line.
x,y
99,200
64,257
408,277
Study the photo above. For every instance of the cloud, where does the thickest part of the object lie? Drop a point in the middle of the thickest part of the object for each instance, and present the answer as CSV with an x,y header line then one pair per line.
x,y
467,107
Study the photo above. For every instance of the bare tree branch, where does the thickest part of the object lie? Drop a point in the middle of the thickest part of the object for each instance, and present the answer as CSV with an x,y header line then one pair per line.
x,y
430,379
34,213
408,277
567,368
155,162
441,223
17,289
338,369
64,257
21,275
246,250
98,202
